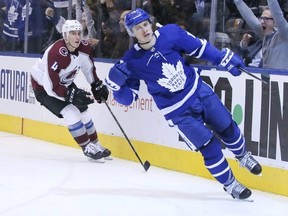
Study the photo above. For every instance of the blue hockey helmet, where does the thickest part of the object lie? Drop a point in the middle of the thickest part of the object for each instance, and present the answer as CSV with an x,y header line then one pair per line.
x,y
135,17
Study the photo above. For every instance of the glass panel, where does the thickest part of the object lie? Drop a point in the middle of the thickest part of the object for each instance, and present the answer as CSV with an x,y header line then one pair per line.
x,y
217,21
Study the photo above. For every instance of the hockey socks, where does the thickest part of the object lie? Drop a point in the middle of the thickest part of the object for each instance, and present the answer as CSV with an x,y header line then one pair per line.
x,y
235,142
216,163
79,133
218,166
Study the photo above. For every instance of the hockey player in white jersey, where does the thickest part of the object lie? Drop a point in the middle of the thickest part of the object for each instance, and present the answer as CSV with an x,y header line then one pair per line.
x,y
187,103
52,80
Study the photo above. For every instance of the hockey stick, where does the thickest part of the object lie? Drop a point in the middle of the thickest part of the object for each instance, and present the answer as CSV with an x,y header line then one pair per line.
x,y
265,78
146,164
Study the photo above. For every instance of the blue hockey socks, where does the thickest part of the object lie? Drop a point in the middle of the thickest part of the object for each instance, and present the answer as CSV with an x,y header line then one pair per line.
x,y
216,163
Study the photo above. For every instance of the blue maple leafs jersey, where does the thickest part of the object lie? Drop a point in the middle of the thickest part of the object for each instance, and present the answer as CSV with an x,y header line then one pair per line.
x,y
171,80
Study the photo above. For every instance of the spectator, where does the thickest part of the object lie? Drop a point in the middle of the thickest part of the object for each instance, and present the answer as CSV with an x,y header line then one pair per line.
x,y
122,41
85,18
167,11
110,14
10,30
254,5
36,26
2,19
222,40
56,19
108,41
251,47
202,29
184,10
198,17
56,23
271,27
235,33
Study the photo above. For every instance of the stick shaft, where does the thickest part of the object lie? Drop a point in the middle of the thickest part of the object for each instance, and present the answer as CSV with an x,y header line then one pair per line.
x,y
252,75
126,137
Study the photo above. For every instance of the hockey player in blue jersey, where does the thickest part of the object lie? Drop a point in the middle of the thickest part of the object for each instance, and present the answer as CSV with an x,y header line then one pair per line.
x,y
187,103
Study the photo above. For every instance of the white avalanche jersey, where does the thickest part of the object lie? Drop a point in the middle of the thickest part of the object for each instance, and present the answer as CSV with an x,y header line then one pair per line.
x,y
58,68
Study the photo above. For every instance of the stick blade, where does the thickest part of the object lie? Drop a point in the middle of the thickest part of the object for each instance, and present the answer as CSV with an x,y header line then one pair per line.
x,y
146,165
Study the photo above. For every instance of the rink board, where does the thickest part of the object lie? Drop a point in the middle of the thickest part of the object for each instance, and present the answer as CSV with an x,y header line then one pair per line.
x,y
158,155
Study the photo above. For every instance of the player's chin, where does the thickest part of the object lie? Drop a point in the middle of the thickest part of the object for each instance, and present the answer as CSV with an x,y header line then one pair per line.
x,y
148,37
77,44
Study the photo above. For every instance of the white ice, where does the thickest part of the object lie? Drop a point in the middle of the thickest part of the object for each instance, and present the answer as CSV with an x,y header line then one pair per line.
x,y
39,178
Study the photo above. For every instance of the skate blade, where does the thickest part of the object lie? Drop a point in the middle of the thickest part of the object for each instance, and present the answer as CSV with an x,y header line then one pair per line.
x,y
101,160
246,200
108,158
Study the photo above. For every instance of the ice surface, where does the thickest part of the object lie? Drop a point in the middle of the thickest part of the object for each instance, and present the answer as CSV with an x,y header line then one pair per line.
x,y
39,178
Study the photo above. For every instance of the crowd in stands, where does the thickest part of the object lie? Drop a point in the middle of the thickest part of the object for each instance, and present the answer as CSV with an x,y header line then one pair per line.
x,y
102,22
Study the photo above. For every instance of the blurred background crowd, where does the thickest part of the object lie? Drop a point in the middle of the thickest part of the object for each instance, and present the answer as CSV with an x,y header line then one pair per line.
x,y
219,22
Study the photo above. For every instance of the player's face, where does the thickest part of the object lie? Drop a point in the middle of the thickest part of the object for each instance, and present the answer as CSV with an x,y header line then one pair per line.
x,y
73,40
143,31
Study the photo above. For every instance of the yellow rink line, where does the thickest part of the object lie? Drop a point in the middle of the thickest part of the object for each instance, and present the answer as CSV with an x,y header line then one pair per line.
x,y
274,180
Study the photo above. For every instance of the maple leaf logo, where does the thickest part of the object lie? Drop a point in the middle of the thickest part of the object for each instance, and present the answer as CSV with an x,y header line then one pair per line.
x,y
12,15
175,77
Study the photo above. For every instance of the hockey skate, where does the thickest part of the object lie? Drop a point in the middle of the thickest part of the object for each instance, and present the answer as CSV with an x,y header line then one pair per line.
x,y
237,190
105,152
250,163
93,153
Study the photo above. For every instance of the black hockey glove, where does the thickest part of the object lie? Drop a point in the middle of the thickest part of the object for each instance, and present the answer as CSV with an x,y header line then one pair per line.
x,y
78,97
100,91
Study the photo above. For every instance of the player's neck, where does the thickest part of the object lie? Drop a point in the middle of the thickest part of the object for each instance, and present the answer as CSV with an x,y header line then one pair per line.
x,y
70,47
148,44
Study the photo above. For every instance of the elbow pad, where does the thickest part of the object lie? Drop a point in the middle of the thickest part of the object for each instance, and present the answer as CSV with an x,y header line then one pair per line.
x,y
211,54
